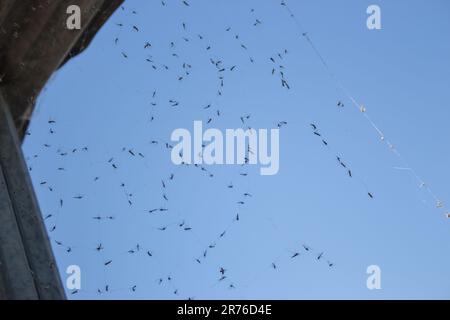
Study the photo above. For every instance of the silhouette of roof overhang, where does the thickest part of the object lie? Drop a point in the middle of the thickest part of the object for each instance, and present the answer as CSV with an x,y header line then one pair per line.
x,y
34,42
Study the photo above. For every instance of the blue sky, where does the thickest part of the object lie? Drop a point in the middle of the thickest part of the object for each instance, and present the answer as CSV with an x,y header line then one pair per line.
x,y
103,101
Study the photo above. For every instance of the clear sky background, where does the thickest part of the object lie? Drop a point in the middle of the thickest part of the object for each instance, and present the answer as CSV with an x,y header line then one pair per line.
x,y
103,101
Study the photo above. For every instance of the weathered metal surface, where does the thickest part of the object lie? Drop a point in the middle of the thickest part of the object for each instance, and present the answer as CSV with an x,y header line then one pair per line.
x,y
16,279
26,256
